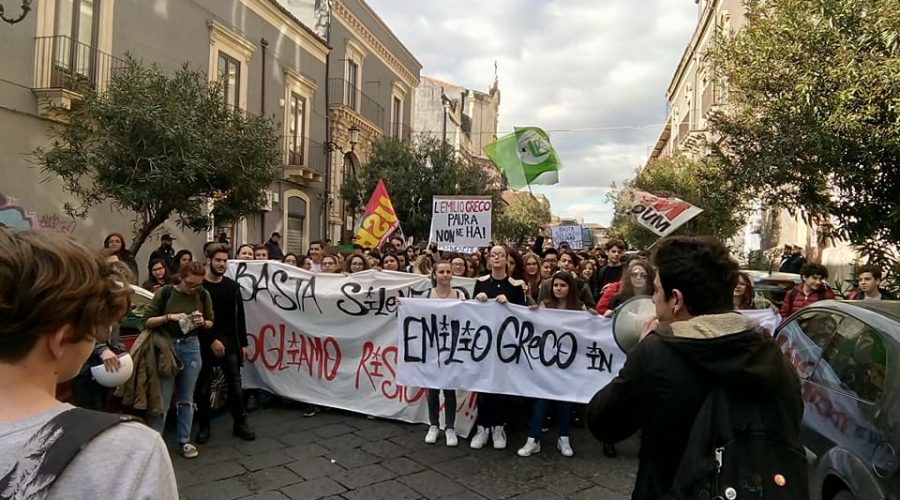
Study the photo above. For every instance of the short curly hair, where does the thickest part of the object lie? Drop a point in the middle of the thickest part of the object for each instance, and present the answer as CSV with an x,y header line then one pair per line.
x,y
49,281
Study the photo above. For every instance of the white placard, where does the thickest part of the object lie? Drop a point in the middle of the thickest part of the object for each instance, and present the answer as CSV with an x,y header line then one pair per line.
x,y
570,234
331,339
661,215
461,223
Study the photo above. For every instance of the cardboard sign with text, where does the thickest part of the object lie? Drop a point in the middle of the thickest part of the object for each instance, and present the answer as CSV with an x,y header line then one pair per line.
x,y
461,223
570,234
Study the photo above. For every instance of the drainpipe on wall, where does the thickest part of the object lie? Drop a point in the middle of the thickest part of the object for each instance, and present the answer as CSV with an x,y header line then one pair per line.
x,y
326,194
264,44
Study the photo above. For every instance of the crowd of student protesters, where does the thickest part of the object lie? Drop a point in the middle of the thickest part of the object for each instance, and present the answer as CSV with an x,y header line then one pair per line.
x,y
597,280
62,303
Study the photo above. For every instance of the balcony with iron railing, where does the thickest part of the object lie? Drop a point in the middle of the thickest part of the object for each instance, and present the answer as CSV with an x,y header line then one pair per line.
x,y
66,69
305,160
347,95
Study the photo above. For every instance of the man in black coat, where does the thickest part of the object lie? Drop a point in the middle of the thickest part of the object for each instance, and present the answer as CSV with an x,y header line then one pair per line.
x,y
698,341
224,345
166,253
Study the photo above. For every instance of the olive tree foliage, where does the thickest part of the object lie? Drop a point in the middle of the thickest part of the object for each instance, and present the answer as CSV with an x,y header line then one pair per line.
x,y
812,120
413,173
699,182
522,219
163,145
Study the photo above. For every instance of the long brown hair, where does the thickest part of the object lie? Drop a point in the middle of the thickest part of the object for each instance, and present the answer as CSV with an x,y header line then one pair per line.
x,y
627,290
518,273
534,281
746,301
573,302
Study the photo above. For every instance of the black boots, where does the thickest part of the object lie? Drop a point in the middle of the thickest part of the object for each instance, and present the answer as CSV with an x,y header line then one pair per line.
x,y
203,434
242,430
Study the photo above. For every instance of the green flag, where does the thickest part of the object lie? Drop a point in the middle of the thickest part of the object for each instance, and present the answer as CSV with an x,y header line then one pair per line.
x,y
525,157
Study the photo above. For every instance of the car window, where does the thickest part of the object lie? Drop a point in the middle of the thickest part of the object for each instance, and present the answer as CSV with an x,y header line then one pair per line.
x,y
819,326
854,361
804,338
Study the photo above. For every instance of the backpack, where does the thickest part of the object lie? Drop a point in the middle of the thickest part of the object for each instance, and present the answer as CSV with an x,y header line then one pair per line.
x,y
51,449
738,449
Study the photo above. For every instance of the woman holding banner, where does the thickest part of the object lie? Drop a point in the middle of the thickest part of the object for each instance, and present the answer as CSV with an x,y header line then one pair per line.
x,y
389,262
564,288
443,276
499,286
355,264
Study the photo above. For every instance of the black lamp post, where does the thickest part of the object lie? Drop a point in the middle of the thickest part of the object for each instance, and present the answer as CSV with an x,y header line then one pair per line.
x,y
26,8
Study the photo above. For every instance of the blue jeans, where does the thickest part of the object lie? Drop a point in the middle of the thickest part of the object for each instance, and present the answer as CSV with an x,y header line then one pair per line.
x,y
188,351
563,418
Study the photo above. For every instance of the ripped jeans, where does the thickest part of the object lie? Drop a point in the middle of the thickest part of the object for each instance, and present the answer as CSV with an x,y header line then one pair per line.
x,y
188,351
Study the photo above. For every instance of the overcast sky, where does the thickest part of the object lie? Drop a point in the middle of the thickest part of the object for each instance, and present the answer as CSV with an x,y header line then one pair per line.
x,y
592,73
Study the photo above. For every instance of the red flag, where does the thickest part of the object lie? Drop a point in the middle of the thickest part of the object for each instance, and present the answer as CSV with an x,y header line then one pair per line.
x,y
379,221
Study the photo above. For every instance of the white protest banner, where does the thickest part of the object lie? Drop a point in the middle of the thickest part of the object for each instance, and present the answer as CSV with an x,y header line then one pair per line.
x,y
331,340
661,215
489,347
766,319
461,223
569,233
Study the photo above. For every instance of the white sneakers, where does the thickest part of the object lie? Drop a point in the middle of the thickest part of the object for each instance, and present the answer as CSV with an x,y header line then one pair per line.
x,y
188,450
432,435
479,439
531,447
565,447
450,435
499,436
433,432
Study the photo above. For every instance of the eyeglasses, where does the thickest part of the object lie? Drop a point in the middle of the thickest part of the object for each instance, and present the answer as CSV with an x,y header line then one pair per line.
x,y
639,275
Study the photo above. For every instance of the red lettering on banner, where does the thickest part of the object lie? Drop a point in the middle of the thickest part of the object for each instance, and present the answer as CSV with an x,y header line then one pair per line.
x,y
377,364
800,364
261,342
671,208
321,356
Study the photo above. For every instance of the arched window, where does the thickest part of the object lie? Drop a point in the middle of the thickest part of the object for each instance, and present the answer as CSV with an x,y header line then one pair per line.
x,y
296,221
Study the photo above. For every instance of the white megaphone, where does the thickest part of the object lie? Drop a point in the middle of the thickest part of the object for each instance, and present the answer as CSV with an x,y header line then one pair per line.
x,y
630,319
116,378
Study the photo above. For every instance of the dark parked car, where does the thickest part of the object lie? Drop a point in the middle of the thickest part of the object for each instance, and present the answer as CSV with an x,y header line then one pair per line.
x,y
773,285
847,355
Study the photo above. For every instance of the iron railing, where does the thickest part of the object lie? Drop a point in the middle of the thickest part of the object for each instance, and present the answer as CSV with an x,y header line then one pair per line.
x,y
63,63
309,154
345,93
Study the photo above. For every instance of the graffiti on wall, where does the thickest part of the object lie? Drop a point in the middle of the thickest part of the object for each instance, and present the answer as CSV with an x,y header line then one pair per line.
x,y
16,216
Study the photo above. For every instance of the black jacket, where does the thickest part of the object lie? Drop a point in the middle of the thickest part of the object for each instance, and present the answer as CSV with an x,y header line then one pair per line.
x,y
792,264
665,381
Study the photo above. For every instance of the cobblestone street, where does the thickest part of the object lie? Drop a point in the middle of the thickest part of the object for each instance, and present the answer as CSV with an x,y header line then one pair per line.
x,y
338,455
